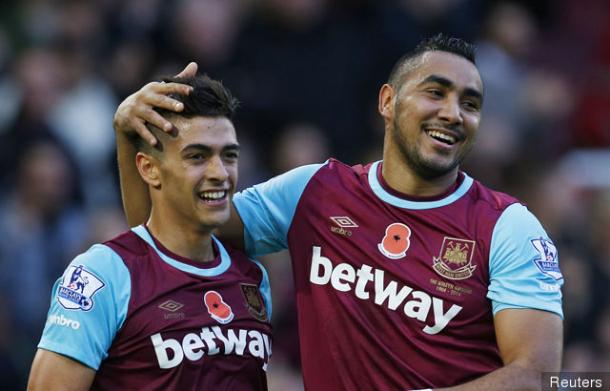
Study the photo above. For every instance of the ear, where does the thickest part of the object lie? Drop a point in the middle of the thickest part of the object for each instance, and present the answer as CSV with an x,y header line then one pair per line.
x,y
386,102
148,167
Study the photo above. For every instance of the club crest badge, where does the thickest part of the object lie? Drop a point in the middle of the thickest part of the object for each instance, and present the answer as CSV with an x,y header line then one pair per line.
x,y
78,288
396,241
548,262
254,301
217,308
454,261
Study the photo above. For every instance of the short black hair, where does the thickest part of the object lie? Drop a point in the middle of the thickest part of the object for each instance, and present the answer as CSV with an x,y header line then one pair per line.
x,y
439,42
208,98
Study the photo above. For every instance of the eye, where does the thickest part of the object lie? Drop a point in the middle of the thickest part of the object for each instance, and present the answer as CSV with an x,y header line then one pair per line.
x,y
471,105
195,156
435,92
232,155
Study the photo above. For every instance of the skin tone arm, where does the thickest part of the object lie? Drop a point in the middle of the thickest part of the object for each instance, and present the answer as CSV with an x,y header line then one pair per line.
x,y
530,342
131,116
52,371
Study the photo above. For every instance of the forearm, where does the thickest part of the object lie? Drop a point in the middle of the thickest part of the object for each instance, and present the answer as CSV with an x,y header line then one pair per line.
x,y
530,343
134,191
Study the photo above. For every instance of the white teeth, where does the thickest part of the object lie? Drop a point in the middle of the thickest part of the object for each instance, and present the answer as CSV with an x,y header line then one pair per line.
x,y
213,195
442,136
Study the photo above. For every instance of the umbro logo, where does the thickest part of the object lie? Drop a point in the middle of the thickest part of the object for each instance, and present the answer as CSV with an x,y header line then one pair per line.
x,y
341,223
344,222
171,306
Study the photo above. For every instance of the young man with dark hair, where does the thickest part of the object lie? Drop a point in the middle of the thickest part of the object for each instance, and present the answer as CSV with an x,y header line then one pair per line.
x,y
411,274
166,305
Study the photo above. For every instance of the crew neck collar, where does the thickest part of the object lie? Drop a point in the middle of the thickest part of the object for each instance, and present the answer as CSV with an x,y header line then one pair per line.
x,y
219,265
383,191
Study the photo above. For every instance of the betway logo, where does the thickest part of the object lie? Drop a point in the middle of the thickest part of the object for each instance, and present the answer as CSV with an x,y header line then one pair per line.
x,y
194,345
416,304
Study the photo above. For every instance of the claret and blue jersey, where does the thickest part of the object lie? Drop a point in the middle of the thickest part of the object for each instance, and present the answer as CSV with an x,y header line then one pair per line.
x,y
395,292
145,318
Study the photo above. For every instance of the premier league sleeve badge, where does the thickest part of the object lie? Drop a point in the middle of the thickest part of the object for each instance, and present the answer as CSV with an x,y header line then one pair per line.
x,y
547,260
78,288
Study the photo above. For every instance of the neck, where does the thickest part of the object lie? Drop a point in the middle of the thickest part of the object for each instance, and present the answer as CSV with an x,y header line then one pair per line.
x,y
402,178
182,239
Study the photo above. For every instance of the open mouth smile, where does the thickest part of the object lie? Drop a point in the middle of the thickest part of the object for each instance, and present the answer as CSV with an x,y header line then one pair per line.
x,y
214,196
443,136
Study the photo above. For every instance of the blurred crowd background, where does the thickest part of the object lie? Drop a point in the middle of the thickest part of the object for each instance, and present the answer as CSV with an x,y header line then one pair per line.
x,y
307,73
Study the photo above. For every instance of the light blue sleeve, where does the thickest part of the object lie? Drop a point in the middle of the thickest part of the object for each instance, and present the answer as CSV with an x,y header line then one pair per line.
x,y
88,306
267,209
524,264
265,289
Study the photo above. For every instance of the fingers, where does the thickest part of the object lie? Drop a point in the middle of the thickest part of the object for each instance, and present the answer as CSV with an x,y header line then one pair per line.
x,y
189,70
138,109
142,105
143,132
169,88
147,114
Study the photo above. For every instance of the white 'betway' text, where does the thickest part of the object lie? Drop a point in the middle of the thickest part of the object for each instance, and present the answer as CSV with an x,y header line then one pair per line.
x,y
194,345
416,304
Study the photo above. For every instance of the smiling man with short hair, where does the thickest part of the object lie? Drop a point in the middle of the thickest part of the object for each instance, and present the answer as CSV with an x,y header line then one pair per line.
x,y
166,306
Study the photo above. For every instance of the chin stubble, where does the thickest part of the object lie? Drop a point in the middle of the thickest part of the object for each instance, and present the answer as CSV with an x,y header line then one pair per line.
x,y
415,161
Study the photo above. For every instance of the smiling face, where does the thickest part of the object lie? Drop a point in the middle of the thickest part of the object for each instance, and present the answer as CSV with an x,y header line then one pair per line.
x,y
197,173
432,117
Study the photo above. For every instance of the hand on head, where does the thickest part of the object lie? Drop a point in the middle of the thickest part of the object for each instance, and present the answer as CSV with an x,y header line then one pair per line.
x,y
138,108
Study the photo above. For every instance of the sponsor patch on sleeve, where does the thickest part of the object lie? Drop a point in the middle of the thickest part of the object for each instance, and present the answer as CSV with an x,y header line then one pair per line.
x,y
547,262
78,288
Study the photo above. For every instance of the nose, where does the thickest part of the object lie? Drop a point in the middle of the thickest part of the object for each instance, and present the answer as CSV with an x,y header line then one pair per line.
x,y
216,169
450,111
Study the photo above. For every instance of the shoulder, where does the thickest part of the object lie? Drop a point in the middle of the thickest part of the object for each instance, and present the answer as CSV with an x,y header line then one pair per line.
x,y
127,243
512,215
234,253
334,173
338,167
99,257
102,265
244,264
516,221
495,200
239,258
90,272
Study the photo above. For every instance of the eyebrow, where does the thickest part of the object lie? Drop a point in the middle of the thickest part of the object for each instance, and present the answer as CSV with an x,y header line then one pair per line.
x,y
449,84
207,148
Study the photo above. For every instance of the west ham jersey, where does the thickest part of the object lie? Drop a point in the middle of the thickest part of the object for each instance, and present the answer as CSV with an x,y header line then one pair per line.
x,y
145,318
395,293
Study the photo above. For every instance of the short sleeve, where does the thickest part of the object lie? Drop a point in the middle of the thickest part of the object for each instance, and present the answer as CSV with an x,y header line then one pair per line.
x,y
524,264
88,306
267,209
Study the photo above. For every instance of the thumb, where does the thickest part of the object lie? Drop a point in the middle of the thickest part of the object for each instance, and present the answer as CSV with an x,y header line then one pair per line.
x,y
189,70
